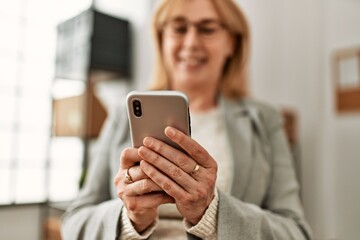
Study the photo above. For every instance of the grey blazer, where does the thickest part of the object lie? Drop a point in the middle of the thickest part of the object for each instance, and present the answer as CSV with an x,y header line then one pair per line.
x,y
264,201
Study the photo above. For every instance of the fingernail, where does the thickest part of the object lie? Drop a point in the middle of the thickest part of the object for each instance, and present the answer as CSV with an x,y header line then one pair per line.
x,y
170,131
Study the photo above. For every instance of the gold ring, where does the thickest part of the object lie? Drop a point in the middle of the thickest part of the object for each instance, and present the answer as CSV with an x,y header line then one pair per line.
x,y
128,177
196,168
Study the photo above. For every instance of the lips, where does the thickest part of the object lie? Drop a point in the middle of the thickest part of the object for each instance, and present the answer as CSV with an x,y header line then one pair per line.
x,y
192,62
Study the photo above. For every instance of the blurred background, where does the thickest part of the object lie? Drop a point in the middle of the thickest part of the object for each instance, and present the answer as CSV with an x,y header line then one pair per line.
x,y
64,65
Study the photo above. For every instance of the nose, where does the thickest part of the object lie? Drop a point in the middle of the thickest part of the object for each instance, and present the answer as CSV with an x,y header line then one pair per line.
x,y
192,38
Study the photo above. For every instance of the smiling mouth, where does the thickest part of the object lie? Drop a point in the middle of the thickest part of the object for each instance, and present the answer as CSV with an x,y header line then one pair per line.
x,y
192,62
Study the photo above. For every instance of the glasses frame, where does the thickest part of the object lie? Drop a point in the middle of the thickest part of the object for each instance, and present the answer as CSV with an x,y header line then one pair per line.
x,y
198,25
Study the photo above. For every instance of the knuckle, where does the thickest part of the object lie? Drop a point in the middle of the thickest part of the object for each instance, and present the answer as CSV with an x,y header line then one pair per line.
x,y
181,161
120,193
215,168
166,186
210,179
145,186
159,147
138,172
197,152
156,158
125,154
201,192
116,180
179,138
151,173
175,172
188,199
132,205
183,199
212,182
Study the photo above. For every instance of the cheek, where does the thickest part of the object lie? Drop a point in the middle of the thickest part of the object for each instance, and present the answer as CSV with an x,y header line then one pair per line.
x,y
219,58
225,48
167,57
168,49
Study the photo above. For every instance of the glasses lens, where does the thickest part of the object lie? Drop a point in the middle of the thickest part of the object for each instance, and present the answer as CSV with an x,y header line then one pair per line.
x,y
177,28
209,29
205,29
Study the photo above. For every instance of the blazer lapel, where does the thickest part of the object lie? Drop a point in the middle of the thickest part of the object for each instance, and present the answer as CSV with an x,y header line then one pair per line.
x,y
239,130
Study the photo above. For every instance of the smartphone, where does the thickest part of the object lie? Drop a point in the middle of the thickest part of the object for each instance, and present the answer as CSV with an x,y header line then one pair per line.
x,y
150,112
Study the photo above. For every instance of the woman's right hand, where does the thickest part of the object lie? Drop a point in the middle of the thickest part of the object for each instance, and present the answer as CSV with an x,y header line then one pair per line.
x,y
140,195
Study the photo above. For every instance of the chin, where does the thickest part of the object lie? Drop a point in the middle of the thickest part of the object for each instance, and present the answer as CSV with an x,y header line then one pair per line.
x,y
191,83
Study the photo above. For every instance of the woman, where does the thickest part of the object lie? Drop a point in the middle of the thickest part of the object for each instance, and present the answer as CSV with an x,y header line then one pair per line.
x,y
236,180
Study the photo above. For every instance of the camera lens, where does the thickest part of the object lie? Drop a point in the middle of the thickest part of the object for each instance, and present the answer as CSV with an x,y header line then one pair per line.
x,y
137,108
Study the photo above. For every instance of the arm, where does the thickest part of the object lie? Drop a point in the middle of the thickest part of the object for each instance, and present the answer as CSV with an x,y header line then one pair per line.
x,y
281,216
92,215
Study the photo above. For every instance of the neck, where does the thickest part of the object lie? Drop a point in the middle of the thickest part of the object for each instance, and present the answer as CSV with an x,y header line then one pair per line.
x,y
202,103
201,100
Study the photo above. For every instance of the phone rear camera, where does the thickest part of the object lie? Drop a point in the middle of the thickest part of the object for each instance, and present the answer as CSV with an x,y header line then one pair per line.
x,y
137,108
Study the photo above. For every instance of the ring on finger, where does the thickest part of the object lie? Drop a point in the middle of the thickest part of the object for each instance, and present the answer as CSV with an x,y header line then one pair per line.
x,y
196,168
128,176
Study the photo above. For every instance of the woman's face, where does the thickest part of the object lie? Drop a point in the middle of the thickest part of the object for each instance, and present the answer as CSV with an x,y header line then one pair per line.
x,y
195,46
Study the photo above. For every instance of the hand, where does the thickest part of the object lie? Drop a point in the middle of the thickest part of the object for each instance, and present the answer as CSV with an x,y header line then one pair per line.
x,y
141,196
188,178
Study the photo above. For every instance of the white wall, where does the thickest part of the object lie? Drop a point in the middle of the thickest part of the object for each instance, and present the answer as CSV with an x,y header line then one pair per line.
x,y
342,139
286,70
292,45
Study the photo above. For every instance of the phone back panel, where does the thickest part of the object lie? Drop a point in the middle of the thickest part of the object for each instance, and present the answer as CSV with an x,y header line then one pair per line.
x,y
159,110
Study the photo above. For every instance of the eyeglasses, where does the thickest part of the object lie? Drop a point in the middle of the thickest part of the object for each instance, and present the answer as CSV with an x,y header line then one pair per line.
x,y
206,29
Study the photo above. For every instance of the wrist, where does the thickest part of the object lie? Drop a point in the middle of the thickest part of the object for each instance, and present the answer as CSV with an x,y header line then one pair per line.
x,y
196,219
141,227
141,222
193,220
128,230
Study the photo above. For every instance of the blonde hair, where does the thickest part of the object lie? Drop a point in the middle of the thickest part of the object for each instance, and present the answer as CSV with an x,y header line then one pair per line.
x,y
234,79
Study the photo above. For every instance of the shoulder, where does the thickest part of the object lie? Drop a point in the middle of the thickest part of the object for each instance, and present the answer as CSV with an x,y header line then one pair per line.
x,y
266,114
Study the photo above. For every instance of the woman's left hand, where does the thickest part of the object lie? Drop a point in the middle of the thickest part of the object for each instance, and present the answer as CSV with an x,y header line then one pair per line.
x,y
188,178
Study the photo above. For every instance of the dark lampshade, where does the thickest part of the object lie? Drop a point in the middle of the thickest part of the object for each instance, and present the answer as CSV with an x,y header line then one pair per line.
x,y
93,41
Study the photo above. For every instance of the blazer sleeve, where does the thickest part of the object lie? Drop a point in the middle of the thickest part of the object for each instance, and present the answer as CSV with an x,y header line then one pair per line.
x,y
92,215
281,214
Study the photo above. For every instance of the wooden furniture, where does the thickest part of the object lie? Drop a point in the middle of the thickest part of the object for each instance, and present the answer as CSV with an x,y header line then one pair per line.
x,y
346,75
291,130
81,115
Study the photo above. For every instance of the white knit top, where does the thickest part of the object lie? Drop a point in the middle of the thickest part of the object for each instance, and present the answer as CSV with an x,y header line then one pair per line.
x,y
208,129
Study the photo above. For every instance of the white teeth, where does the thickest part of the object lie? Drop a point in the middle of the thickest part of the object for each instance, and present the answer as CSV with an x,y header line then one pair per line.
x,y
192,62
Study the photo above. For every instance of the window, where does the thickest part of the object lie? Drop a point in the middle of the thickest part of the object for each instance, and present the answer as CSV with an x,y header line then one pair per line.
x,y
33,166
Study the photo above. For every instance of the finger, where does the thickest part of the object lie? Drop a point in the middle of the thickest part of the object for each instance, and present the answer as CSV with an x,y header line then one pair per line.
x,y
177,157
141,187
136,173
147,201
168,168
169,186
129,157
194,149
